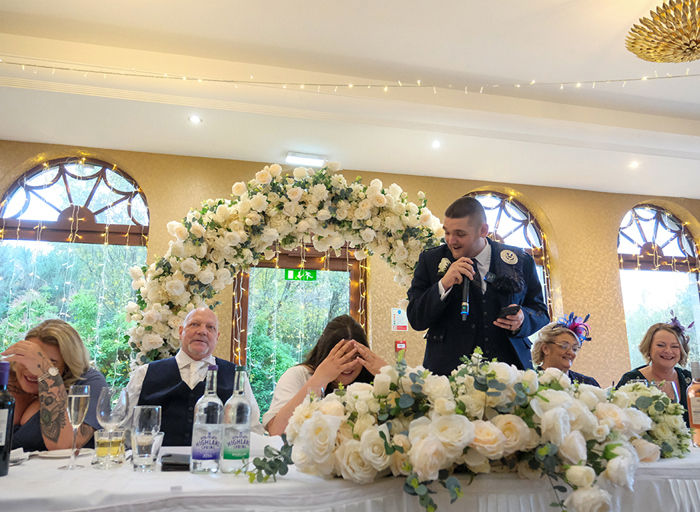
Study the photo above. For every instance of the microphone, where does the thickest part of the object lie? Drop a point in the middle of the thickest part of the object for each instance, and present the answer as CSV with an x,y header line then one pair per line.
x,y
465,298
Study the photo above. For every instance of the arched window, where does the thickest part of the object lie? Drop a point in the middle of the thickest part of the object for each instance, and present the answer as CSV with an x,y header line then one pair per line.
x,y
510,222
70,229
659,273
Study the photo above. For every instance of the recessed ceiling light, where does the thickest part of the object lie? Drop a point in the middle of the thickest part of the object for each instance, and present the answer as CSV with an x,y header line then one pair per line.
x,y
305,159
436,144
195,119
634,165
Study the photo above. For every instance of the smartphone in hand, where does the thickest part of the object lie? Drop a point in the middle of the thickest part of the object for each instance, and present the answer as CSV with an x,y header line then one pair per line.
x,y
508,310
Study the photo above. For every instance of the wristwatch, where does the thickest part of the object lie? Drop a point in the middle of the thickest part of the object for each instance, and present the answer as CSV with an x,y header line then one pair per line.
x,y
51,372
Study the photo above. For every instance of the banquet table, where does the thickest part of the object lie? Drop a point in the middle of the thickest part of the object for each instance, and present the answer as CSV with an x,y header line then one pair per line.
x,y
671,485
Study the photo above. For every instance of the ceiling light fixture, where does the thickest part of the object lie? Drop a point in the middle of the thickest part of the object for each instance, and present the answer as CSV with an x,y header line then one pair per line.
x,y
436,144
634,165
305,159
195,119
671,35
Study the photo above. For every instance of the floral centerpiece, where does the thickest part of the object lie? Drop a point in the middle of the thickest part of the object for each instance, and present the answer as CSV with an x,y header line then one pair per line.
x,y
272,211
486,416
669,432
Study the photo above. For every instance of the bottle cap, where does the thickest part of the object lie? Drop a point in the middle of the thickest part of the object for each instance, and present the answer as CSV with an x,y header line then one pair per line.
x,y
4,373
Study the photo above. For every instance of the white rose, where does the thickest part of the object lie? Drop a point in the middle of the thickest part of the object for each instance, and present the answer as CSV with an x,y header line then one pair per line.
x,y
555,375
444,406
300,173
136,273
573,450
239,189
205,276
428,456
323,214
294,194
197,230
139,283
398,459
620,470
555,426
437,386
362,423
529,380
351,465
331,406
378,200
589,499
367,234
382,383
525,471
400,254
639,421
454,431
151,341
175,287
372,448
647,452
418,429
616,416
515,430
548,399
580,476
318,435
189,266
488,440
263,177
302,413
581,417
258,202
177,248
477,462
132,307
151,316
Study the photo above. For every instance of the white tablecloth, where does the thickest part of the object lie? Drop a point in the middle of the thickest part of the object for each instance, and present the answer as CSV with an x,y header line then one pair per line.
x,y
36,485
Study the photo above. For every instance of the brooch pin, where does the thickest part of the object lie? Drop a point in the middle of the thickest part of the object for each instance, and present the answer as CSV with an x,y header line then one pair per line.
x,y
509,257
443,266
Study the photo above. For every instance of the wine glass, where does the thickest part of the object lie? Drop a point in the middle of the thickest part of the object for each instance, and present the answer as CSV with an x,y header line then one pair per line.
x,y
112,408
670,388
78,402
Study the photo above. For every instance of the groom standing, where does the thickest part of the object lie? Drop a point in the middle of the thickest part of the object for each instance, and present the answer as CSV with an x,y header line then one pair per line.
x,y
497,275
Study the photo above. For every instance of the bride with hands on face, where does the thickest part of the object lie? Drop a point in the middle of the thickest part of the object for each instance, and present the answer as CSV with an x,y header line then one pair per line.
x,y
341,356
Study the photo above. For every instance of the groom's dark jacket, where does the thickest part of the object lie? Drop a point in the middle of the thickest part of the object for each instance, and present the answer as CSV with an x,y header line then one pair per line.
x,y
512,279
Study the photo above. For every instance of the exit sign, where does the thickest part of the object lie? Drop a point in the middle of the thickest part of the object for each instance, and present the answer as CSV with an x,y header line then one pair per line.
x,y
299,274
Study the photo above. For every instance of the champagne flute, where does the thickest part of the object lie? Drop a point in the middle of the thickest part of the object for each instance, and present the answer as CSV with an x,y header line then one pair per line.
x,y
112,407
78,402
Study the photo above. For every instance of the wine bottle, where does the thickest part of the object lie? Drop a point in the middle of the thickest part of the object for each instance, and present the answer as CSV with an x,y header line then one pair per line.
x,y
206,431
236,426
7,417
694,402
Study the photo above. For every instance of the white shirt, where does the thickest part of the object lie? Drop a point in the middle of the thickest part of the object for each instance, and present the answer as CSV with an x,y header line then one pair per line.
x,y
289,385
183,363
483,263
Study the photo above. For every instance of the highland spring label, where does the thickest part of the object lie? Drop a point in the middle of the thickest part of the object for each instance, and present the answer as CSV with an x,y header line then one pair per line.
x,y
237,445
207,446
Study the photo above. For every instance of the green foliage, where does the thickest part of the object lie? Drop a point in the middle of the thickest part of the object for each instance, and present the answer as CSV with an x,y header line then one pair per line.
x,y
274,462
86,285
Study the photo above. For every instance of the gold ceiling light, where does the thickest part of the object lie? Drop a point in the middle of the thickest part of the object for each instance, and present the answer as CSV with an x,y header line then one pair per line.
x,y
671,35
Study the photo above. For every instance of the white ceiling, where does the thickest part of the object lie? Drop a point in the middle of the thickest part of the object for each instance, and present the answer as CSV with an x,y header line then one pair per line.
x,y
74,89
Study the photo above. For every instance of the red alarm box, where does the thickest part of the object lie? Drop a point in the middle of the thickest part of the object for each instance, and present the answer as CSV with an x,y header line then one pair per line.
x,y
400,345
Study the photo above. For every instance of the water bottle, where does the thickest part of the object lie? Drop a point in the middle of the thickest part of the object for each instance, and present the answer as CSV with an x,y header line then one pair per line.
x,y
236,426
206,431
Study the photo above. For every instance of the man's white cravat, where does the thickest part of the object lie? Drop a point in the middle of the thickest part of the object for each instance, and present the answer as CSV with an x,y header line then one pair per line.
x,y
195,369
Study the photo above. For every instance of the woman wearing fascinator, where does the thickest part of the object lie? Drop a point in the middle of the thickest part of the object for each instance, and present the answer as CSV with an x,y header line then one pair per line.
x,y
665,347
558,344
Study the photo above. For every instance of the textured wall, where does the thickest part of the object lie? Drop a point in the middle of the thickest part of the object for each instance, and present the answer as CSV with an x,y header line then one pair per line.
x,y
581,229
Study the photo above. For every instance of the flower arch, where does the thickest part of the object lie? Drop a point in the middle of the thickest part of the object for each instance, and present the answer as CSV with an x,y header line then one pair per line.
x,y
271,211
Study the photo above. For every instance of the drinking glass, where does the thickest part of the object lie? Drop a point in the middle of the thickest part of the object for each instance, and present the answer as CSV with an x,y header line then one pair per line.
x,y
145,448
112,407
670,388
78,402
146,419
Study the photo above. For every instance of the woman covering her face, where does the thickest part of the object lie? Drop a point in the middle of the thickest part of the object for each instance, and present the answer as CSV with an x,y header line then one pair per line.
x,y
341,356
558,345
44,365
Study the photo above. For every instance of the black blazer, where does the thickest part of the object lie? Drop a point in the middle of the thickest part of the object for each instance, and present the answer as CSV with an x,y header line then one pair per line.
x,y
426,310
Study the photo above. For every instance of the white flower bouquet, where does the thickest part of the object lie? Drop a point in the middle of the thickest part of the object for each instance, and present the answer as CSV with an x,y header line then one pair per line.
x,y
271,211
487,416
668,430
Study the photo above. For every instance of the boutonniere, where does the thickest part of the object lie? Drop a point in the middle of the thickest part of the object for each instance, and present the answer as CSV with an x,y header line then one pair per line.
x,y
443,266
